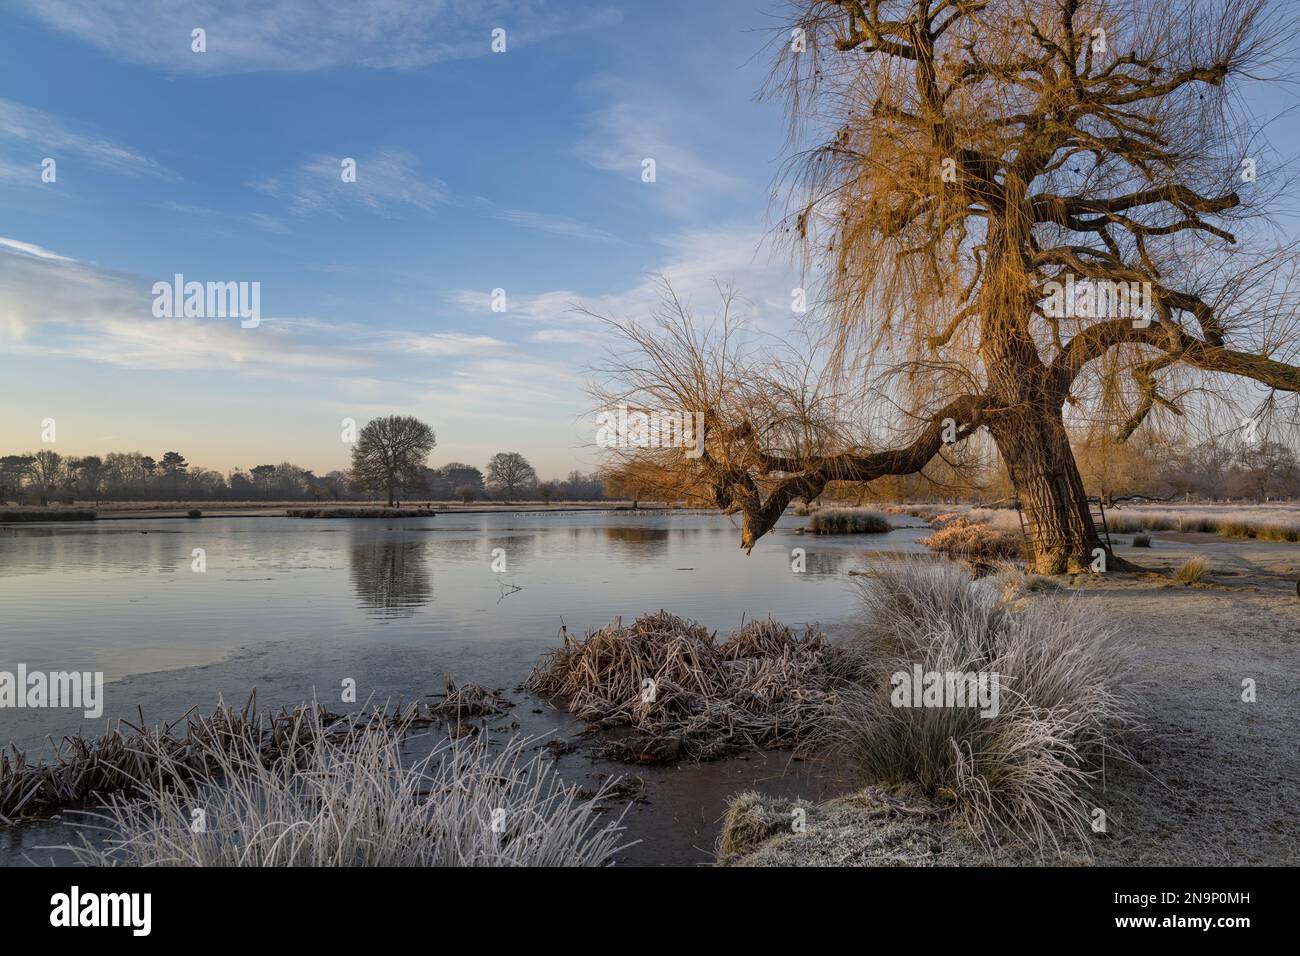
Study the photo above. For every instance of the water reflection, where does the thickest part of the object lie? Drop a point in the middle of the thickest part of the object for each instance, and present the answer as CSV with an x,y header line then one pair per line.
x,y
643,543
390,575
77,548
831,563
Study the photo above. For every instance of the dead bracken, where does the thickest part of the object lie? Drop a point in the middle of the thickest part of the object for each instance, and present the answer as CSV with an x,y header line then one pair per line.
x,y
682,693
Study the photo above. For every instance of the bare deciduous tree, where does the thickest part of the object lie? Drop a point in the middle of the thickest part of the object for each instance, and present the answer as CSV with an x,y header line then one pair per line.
x,y
955,165
509,472
391,453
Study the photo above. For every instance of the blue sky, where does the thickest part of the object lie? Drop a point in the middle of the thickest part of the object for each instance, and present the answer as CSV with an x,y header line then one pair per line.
x,y
475,171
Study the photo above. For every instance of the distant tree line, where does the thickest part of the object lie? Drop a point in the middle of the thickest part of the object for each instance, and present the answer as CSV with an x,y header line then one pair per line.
x,y
43,477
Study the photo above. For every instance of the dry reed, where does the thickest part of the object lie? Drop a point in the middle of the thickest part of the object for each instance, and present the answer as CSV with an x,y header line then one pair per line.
x,y
961,537
670,681
1193,570
82,768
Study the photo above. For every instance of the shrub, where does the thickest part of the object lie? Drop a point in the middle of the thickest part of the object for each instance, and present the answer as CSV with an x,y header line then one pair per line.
x,y
194,513
848,521
1022,773
1141,540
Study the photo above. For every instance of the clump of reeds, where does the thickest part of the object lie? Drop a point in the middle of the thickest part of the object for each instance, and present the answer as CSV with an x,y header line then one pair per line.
x,y
469,700
1141,540
848,521
1193,570
82,768
1015,586
670,680
351,799
960,537
1023,772
924,512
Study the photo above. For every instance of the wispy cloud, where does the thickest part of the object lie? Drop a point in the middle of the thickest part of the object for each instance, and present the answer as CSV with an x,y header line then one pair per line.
x,y
55,306
30,249
559,336
296,36
557,225
256,220
51,136
509,390
640,123
444,343
386,180
694,261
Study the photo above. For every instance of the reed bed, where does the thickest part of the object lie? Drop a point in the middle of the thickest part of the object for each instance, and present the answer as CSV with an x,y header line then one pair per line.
x,y
1261,523
469,700
848,521
82,768
669,680
1023,774
351,799
924,512
972,540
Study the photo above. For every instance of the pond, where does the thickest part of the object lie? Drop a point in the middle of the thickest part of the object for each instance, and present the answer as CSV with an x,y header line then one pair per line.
x,y
176,612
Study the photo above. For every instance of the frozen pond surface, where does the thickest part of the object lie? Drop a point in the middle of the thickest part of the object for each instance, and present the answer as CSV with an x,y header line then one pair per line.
x,y
294,607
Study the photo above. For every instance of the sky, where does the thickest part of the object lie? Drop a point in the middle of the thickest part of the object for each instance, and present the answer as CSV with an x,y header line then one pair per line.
x,y
476,171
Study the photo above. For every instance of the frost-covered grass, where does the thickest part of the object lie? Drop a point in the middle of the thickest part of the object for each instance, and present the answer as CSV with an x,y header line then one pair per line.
x,y
1274,522
1026,770
351,799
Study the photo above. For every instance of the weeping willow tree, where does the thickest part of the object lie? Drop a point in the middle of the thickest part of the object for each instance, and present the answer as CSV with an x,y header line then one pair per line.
x,y
1019,212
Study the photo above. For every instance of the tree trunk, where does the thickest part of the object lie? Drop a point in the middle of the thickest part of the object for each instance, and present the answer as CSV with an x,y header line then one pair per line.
x,y
1036,450
1028,427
